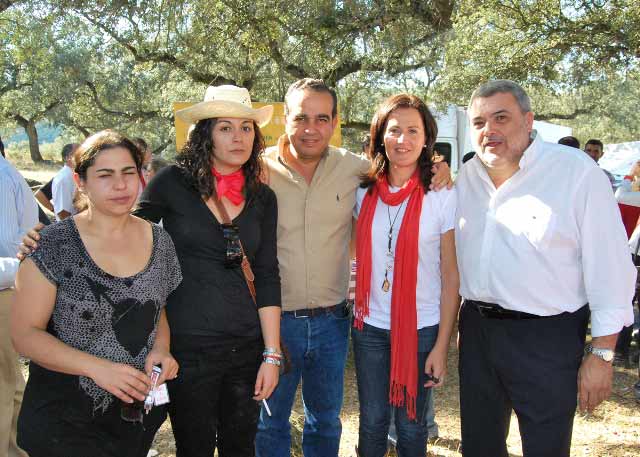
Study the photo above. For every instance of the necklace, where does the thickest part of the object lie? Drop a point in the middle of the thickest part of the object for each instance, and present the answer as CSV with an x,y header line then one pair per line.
x,y
386,284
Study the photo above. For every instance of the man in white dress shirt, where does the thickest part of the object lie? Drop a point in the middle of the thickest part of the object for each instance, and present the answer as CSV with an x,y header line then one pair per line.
x,y
63,187
540,236
18,213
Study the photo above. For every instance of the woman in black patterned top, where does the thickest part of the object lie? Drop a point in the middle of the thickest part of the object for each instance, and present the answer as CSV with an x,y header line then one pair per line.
x,y
89,313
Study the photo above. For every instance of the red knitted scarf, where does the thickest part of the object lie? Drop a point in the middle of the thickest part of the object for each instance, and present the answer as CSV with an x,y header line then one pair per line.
x,y
404,334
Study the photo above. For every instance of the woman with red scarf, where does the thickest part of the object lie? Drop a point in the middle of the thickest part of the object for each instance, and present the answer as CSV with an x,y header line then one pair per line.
x,y
406,281
225,328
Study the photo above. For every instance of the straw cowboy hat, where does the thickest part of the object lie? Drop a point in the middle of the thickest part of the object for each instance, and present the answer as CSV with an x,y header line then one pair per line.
x,y
226,101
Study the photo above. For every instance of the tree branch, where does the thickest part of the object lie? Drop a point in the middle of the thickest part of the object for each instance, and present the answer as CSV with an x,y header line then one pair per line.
x,y
563,116
104,109
141,56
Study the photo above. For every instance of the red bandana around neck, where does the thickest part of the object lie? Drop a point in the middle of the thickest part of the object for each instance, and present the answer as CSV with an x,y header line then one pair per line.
x,y
230,185
404,333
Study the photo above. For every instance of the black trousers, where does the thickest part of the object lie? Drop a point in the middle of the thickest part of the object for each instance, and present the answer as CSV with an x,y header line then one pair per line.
x,y
529,366
211,399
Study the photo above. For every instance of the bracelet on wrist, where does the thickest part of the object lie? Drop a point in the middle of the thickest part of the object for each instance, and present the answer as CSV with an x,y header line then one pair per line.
x,y
272,361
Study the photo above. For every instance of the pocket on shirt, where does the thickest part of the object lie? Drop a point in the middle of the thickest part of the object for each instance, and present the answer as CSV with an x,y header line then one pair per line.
x,y
539,226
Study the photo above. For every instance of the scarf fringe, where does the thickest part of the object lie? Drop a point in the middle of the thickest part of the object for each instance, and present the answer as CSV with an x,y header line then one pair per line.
x,y
398,396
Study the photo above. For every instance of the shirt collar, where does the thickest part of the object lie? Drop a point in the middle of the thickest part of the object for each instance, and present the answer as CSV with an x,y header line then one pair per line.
x,y
533,151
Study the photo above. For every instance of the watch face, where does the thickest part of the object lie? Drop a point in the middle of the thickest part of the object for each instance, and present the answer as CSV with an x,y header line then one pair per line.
x,y
607,355
604,354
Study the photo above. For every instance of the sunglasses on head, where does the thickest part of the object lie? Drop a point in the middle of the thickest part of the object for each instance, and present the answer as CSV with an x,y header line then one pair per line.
x,y
231,234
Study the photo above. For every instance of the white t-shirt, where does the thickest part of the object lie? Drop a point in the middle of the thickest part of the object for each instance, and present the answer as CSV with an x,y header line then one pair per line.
x,y
437,218
62,190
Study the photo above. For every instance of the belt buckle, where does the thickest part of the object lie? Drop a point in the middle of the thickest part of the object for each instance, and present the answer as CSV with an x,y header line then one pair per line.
x,y
484,310
295,314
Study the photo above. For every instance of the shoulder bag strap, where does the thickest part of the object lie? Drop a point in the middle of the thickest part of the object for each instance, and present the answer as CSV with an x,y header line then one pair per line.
x,y
246,265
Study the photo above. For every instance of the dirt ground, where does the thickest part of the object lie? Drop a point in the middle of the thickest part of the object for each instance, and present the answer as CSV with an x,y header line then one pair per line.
x,y
612,431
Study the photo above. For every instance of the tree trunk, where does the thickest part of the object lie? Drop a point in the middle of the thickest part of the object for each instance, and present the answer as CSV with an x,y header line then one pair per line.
x,y
29,126
34,148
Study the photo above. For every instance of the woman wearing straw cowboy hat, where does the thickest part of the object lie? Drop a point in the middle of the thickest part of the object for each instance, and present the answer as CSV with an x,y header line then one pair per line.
x,y
225,328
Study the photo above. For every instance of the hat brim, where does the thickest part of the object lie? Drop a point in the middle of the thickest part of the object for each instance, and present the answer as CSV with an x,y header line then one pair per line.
x,y
219,108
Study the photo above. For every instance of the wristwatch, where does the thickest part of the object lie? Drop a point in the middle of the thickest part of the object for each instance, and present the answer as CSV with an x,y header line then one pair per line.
x,y
601,353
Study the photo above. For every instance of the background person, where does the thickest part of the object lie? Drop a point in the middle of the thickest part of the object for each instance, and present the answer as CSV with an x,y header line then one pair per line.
x,y
225,342
89,313
44,195
63,187
153,167
595,149
18,211
407,279
570,141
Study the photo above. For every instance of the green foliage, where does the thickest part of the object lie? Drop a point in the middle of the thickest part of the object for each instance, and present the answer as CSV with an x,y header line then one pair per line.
x,y
121,64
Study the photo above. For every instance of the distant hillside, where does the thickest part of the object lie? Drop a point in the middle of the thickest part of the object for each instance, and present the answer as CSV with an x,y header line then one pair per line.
x,y
47,133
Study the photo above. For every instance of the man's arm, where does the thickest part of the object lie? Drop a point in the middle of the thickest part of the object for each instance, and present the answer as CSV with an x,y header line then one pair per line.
x,y
609,279
9,227
63,215
43,200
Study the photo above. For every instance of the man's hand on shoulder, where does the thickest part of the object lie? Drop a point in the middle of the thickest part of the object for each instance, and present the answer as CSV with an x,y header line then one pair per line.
x,y
29,241
441,176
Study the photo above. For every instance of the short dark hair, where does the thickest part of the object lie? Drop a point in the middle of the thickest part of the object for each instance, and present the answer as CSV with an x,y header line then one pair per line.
x,y
571,141
595,142
316,85
158,163
67,150
377,155
502,86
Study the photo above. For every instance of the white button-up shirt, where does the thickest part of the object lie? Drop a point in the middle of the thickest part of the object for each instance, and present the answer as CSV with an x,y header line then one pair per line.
x,y
63,189
548,240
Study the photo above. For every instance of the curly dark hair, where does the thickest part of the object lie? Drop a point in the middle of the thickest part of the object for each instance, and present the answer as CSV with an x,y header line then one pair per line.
x,y
376,152
196,159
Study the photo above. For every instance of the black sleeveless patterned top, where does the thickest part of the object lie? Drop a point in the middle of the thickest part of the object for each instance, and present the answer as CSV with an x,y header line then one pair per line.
x,y
109,317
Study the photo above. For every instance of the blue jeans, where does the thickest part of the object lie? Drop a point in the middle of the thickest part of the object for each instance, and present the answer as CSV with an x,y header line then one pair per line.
x,y
372,350
318,351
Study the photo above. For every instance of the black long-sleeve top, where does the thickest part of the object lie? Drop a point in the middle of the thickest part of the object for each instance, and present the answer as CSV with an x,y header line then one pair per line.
x,y
212,300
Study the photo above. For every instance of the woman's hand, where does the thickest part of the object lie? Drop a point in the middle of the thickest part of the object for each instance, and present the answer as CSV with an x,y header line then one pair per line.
x,y
122,380
266,381
436,366
163,358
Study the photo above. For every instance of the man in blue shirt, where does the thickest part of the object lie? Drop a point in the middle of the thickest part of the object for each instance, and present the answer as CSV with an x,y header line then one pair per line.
x,y
18,213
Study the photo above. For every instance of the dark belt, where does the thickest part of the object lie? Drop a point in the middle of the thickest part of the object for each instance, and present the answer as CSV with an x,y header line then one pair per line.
x,y
493,311
313,312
